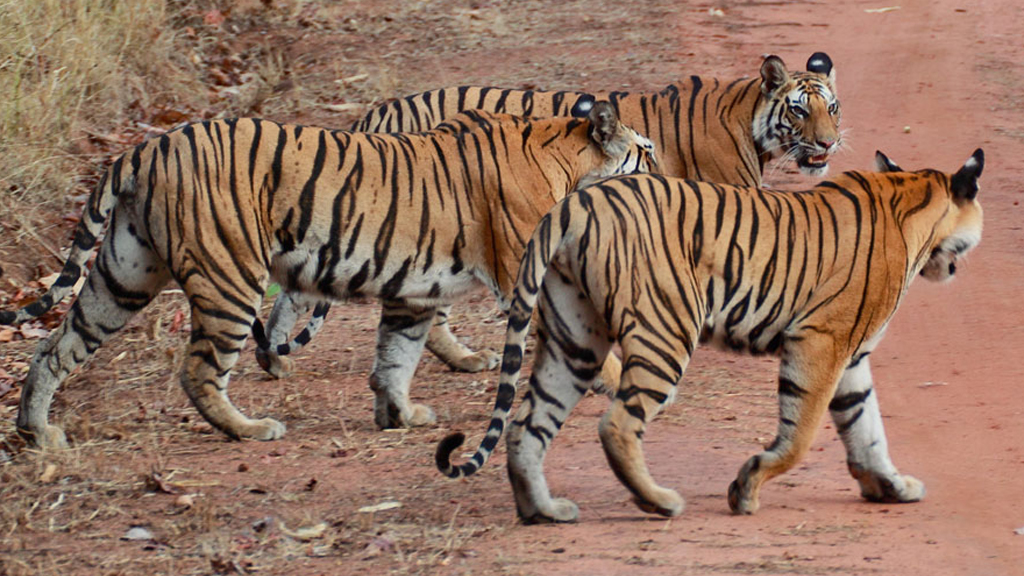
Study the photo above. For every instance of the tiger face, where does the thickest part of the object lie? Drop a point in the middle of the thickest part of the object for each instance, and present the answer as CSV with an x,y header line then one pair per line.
x,y
963,223
800,119
626,150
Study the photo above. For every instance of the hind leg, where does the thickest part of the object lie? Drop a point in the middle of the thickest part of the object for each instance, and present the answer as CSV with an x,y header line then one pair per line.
x,y
855,411
221,322
650,374
443,344
287,310
808,374
400,339
571,343
122,282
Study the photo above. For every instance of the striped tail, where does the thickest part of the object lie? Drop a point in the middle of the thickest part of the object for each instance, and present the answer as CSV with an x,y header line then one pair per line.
x,y
316,322
547,240
83,247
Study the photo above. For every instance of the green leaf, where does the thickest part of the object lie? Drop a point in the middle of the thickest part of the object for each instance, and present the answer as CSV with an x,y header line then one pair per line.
x,y
272,290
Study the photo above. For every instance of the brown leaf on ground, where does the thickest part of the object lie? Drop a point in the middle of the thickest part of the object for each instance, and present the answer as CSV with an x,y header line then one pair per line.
x,y
155,482
213,18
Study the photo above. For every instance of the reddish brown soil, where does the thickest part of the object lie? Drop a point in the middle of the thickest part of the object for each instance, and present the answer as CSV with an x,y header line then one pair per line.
x,y
927,84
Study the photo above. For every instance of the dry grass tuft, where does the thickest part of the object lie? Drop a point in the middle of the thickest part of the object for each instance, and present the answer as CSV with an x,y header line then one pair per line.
x,y
72,72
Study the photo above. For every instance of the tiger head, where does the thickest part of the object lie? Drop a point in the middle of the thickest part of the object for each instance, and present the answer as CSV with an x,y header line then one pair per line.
x,y
960,229
626,151
799,115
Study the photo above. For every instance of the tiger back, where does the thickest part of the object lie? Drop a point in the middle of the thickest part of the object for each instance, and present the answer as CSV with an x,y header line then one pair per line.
x,y
705,128
660,264
223,207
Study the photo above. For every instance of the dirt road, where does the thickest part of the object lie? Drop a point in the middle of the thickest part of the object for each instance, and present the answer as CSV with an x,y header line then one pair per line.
x,y
927,83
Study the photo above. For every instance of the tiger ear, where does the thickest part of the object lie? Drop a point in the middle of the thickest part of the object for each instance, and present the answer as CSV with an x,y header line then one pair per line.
x,y
604,122
820,63
883,164
773,74
964,184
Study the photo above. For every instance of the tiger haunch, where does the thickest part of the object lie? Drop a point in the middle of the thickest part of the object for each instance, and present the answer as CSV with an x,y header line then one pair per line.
x,y
660,264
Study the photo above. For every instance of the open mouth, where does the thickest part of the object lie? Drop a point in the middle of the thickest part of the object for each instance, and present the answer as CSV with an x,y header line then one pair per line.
x,y
818,161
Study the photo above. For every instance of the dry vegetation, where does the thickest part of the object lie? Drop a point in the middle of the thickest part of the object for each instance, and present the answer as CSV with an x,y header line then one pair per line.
x,y
74,76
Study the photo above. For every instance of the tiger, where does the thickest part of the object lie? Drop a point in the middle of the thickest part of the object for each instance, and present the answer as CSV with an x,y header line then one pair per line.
x,y
704,128
659,264
225,206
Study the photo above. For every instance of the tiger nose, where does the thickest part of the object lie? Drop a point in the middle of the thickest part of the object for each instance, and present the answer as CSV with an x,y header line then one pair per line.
x,y
826,144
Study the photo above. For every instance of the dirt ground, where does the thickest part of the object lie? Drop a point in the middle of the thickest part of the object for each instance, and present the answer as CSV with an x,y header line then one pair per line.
x,y
927,83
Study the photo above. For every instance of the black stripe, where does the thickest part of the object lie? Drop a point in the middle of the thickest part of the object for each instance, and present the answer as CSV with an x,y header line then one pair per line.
x,y
847,401
789,388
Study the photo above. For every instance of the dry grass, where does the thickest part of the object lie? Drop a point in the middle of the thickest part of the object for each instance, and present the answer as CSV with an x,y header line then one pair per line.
x,y
74,70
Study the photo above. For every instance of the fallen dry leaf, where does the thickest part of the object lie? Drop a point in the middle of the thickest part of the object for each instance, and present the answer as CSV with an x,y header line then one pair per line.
x,y
34,333
137,533
155,483
49,474
378,545
307,533
213,18
380,507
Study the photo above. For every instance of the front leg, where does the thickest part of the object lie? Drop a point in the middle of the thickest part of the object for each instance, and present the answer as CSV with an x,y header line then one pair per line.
x,y
858,420
808,375
442,343
400,339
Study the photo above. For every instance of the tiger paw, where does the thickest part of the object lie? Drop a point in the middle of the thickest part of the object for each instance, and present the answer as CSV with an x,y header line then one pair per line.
x,y
279,367
893,490
561,510
264,429
422,415
669,506
477,362
668,503
388,415
51,438
740,502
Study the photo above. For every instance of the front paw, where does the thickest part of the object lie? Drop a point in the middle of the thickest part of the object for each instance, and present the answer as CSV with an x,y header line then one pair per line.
x,y
562,510
477,362
50,438
901,489
740,502
388,415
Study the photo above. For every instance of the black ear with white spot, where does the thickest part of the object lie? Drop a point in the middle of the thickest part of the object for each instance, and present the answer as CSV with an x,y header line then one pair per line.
x,y
820,63
773,75
604,122
965,182
883,164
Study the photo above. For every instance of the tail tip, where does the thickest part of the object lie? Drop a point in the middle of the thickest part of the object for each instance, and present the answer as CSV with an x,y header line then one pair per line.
x,y
445,448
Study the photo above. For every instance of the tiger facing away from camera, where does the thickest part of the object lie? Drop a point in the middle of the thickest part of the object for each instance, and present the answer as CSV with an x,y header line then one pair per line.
x,y
704,128
658,264
223,207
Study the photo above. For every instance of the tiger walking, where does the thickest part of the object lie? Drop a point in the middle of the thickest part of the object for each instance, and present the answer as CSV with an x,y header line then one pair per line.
x,y
223,207
659,264
705,128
